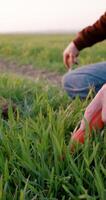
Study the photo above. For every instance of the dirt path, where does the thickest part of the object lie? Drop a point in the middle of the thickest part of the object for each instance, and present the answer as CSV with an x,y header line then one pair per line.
x,y
30,72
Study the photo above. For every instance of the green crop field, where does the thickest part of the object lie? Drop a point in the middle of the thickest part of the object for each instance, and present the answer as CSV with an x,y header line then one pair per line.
x,y
35,158
45,51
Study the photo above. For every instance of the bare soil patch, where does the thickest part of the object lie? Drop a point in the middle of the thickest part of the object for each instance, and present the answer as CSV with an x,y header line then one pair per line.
x,y
30,72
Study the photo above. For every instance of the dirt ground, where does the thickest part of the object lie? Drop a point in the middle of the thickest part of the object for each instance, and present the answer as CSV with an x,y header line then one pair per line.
x,y
30,72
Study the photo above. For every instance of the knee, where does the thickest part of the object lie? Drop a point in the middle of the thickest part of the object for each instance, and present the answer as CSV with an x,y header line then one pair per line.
x,y
68,83
65,81
75,85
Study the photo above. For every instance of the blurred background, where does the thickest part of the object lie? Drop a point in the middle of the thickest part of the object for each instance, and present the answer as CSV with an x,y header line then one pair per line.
x,y
48,16
34,34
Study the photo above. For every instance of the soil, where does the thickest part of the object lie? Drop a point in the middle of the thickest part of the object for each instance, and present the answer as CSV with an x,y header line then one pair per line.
x,y
29,71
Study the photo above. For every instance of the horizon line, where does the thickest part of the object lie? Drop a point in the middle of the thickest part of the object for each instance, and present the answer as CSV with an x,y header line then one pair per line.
x,y
40,32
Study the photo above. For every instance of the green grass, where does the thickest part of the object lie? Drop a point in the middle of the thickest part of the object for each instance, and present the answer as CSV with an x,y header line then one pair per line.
x,y
45,51
33,144
35,158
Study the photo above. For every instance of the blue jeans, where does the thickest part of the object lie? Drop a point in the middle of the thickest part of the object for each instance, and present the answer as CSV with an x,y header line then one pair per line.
x,y
79,81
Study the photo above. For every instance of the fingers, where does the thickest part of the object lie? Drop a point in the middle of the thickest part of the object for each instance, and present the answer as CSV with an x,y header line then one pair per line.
x,y
70,54
65,60
93,107
68,60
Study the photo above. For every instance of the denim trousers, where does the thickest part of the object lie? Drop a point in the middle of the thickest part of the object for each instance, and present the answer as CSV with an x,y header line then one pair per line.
x,y
79,81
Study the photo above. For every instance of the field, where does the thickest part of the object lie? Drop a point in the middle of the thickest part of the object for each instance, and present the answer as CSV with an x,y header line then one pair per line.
x,y
35,158
45,51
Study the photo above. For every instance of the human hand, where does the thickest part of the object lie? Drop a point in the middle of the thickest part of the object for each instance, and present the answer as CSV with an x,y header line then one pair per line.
x,y
98,103
70,55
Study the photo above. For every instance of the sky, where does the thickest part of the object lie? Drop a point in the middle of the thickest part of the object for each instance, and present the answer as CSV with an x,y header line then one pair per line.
x,y
49,15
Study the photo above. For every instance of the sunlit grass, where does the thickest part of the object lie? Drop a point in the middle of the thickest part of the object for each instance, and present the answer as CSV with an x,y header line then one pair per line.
x,y
35,158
